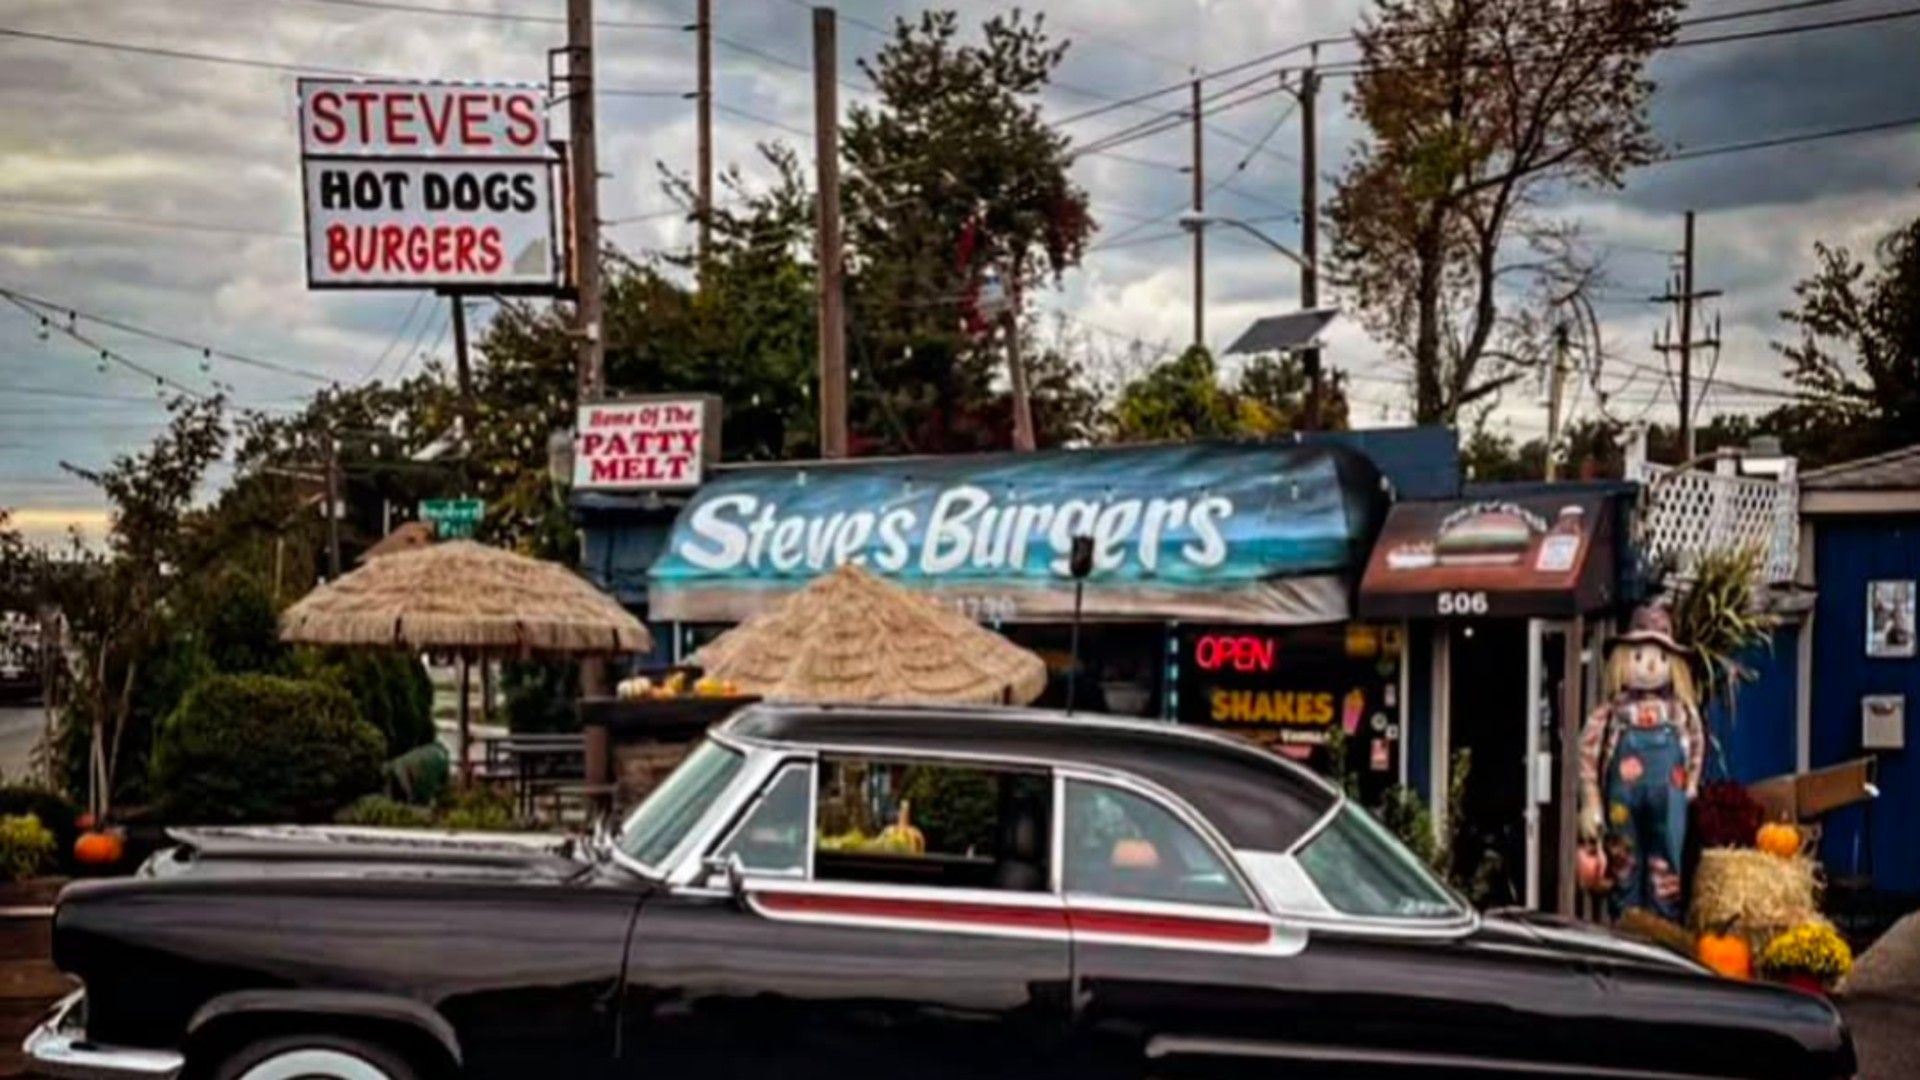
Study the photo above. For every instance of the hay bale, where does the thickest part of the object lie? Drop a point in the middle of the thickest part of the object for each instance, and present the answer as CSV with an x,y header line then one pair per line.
x,y
1753,894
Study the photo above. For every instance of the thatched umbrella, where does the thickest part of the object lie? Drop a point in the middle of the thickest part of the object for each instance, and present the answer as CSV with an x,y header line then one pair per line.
x,y
468,599
850,636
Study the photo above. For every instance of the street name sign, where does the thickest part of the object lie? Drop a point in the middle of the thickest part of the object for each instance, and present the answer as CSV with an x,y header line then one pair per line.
x,y
453,519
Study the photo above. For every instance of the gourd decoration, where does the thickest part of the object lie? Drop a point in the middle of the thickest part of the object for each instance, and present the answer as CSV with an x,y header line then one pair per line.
x,y
1726,955
901,835
97,847
1779,839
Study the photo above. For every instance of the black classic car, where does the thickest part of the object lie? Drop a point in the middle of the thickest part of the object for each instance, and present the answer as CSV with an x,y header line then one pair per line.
x,y
888,892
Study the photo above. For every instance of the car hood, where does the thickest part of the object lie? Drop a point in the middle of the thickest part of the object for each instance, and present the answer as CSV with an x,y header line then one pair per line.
x,y
341,851
1576,941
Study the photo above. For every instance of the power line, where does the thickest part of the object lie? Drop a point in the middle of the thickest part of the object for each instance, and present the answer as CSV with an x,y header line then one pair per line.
x,y
400,332
260,65
9,206
495,16
106,355
44,309
758,119
1788,140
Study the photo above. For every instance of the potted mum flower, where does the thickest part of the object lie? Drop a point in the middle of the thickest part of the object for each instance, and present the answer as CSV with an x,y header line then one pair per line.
x,y
1811,957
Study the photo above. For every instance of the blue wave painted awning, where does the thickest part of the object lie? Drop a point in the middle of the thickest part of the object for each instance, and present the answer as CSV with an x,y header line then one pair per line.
x,y
1254,532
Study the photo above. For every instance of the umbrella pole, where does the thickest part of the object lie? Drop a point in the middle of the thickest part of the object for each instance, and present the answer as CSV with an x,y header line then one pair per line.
x,y
466,731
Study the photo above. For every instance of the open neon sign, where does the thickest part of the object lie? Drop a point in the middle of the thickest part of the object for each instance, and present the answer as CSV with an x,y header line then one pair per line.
x,y
1239,652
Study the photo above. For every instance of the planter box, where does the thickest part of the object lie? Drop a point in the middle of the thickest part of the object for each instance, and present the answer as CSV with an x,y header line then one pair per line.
x,y
29,983
633,745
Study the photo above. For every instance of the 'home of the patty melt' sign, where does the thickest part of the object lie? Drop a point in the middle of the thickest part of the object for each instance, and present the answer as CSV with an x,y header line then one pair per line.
x,y
644,443
427,185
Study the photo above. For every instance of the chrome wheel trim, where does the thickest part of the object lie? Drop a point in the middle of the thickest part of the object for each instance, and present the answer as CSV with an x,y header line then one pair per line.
x,y
315,1061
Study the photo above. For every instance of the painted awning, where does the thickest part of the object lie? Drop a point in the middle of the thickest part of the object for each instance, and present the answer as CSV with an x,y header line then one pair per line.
x,y
1542,555
1240,532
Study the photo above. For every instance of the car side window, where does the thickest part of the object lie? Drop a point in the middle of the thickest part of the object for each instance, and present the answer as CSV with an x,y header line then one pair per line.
x,y
934,824
772,837
1124,845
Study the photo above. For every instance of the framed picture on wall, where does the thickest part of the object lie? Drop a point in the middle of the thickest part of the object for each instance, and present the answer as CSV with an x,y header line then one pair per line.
x,y
1890,630
1883,722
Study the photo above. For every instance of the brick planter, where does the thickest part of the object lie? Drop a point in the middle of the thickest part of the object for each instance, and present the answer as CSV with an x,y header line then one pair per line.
x,y
29,983
633,745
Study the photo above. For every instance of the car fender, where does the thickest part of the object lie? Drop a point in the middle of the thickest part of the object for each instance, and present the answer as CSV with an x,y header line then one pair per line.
x,y
386,1008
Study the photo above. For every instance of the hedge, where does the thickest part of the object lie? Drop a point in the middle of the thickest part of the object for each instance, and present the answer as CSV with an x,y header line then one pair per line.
x,y
260,748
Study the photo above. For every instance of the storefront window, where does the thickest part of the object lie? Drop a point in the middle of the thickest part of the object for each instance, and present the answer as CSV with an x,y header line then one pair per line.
x,y
658,825
1362,870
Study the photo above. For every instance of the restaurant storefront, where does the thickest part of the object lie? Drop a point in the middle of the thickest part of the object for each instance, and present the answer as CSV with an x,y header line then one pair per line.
x,y
1221,592
1505,594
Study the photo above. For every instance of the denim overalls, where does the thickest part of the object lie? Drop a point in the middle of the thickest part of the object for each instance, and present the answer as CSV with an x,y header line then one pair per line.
x,y
1646,799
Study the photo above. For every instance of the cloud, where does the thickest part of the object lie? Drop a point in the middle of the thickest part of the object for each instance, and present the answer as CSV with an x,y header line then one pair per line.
x,y
94,132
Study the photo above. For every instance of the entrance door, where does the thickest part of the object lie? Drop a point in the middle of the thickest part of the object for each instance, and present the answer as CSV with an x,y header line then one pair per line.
x,y
1488,708
1546,738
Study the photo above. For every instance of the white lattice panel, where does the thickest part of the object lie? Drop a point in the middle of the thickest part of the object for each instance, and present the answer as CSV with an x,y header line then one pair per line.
x,y
1685,514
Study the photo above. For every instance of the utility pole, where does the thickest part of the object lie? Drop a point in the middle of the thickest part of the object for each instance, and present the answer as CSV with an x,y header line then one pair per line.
x,y
1556,396
590,348
1199,233
1684,296
703,30
333,507
590,355
1023,438
1310,227
826,147
463,372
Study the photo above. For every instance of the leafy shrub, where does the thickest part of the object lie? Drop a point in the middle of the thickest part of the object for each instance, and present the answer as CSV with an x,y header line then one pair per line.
x,y
381,812
26,847
263,748
479,809
57,813
482,809
391,689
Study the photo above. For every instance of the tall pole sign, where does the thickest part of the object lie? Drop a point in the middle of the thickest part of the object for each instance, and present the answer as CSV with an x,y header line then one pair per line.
x,y
427,185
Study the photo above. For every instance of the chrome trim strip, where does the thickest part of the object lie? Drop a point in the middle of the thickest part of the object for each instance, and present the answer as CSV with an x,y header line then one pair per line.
x,y
59,1048
1163,1046
1085,721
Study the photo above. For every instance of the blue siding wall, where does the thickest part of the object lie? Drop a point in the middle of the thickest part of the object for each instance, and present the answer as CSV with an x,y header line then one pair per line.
x,y
1756,738
1849,552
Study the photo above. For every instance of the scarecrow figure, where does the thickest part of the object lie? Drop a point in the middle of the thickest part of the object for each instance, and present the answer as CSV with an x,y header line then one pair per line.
x,y
1640,759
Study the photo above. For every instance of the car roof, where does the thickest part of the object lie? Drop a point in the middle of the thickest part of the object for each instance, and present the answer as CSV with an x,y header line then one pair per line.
x,y
1256,799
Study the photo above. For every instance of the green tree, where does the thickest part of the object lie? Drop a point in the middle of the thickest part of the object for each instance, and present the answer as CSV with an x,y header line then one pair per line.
x,y
1476,111
1185,398
118,605
1857,362
952,179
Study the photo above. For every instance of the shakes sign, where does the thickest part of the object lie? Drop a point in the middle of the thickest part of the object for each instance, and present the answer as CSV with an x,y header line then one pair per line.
x,y
1244,532
427,185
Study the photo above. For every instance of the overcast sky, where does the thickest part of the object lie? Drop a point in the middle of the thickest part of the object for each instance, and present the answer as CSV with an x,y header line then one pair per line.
x,y
164,191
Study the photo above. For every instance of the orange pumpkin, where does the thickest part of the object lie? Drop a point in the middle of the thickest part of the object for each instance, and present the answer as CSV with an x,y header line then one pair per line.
x,y
1778,838
1726,955
99,848
1590,866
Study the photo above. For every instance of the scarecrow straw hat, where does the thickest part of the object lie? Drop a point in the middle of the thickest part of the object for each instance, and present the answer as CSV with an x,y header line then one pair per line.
x,y
460,596
850,636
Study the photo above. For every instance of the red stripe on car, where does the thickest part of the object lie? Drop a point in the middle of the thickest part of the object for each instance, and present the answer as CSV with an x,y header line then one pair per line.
x,y
1169,927
1010,917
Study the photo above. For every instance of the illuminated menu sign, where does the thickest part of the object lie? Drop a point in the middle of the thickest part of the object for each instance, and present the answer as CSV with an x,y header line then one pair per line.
x,y
1293,687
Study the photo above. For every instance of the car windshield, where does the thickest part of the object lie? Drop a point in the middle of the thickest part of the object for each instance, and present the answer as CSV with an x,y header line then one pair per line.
x,y
1362,869
664,819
